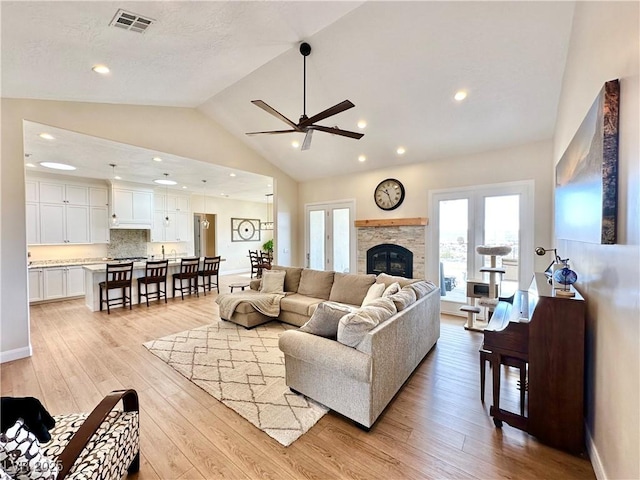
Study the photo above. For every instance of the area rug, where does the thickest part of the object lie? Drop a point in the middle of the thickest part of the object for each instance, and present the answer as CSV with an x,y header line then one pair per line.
x,y
244,369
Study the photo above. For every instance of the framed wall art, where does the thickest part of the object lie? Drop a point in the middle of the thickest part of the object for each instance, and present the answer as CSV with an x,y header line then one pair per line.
x,y
586,193
245,230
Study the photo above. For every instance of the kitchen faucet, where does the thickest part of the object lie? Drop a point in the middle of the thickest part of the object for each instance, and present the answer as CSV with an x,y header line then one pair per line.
x,y
175,254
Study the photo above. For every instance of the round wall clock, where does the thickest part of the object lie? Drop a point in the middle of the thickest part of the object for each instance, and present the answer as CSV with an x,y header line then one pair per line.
x,y
389,194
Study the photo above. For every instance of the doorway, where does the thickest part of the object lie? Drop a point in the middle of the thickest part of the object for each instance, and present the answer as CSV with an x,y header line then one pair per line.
x,y
330,236
204,239
500,214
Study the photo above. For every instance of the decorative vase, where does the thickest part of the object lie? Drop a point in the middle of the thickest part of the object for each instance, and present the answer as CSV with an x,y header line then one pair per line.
x,y
565,277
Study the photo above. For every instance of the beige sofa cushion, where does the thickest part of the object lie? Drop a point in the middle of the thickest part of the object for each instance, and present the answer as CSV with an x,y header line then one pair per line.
x,y
292,277
421,288
354,326
325,319
300,304
316,283
389,279
375,291
272,281
403,298
350,288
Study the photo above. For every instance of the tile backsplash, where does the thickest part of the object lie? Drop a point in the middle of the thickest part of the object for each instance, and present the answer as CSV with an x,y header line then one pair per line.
x,y
128,243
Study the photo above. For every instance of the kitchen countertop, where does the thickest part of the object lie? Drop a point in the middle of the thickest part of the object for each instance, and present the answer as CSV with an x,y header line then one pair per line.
x,y
72,262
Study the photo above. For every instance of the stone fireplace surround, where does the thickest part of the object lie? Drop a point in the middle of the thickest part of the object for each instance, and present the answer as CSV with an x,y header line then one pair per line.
x,y
411,233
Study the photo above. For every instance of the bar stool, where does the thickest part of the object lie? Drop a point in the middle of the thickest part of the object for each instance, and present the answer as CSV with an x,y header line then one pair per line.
x,y
188,272
119,275
155,273
210,268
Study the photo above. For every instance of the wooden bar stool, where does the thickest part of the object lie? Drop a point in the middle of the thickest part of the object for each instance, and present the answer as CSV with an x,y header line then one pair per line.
x,y
119,275
188,272
210,268
155,273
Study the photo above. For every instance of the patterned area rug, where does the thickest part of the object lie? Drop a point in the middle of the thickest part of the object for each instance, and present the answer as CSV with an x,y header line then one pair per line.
x,y
244,369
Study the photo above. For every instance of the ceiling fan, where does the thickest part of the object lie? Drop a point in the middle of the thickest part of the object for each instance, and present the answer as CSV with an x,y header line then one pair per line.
x,y
307,124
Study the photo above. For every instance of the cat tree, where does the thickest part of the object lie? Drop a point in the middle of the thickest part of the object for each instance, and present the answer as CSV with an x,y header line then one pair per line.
x,y
482,294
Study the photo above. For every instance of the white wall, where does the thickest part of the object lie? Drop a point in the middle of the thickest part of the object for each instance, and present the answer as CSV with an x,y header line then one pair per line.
x,y
604,46
181,131
527,162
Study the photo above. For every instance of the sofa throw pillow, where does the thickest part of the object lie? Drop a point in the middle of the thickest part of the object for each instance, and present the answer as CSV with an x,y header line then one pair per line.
x,y
421,288
350,288
292,277
325,319
403,298
375,291
21,456
353,327
391,289
272,281
389,279
315,283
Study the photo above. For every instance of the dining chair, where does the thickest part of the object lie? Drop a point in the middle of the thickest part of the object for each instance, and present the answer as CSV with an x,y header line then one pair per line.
x,y
119,275
210,268
155,273
189,272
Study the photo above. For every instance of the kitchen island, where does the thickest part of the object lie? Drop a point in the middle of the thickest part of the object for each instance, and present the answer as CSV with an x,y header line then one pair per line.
x,y
94,274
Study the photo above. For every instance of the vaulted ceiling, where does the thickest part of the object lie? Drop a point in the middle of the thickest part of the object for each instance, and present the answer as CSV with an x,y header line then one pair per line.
x,y
400,63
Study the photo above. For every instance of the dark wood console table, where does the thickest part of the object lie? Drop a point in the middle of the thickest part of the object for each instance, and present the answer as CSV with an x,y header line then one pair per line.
x,y
547,333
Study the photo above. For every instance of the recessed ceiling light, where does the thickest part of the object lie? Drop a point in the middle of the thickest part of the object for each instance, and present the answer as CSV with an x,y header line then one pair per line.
x,y
157,159
232,174
400,151
362,124
30,165
117,177
269,185
460,95
47,136
103,69
57,166
295,144
165,181
184,186
362,158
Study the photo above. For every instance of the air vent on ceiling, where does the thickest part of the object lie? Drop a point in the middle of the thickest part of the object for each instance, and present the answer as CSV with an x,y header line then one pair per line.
x,y
131,21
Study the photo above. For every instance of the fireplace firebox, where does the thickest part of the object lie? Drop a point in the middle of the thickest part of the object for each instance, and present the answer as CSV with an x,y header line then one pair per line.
x,y
390,259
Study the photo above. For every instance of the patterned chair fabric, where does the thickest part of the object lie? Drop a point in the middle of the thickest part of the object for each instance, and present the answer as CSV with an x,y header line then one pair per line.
x,y
109,452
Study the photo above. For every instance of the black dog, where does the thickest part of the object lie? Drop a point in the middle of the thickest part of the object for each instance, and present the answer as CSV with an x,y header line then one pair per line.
x,y
30,410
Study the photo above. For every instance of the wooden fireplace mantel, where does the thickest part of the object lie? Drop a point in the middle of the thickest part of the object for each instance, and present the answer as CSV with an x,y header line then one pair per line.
x,y
392,222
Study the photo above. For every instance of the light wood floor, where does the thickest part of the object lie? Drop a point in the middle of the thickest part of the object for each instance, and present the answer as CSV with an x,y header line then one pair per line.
x,y
436,426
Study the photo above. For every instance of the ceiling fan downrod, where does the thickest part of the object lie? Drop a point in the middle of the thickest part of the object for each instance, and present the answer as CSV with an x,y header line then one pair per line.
x,y
305,50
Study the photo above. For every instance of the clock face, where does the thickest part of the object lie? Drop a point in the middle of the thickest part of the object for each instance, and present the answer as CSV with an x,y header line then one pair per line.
x,y
389,194
246,230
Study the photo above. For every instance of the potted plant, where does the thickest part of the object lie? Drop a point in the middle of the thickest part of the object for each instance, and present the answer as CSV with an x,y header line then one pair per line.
x,y
268,246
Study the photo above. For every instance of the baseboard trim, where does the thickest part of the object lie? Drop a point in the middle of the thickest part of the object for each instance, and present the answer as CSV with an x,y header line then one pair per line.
x,y
16,354
596,463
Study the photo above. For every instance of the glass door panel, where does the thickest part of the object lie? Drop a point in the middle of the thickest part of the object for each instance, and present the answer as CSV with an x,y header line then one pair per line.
x,y
453,247
341,239
316,252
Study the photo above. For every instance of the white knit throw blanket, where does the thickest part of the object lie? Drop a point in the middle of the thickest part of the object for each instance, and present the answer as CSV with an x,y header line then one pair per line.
x,y
266,303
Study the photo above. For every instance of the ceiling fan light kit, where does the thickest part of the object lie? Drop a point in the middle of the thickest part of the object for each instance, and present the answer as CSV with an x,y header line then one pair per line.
x,y
306,124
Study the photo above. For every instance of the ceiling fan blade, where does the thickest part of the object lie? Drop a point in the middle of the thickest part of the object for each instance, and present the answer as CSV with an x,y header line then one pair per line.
x,y
275,113
272,132
306,144
337,131
340,107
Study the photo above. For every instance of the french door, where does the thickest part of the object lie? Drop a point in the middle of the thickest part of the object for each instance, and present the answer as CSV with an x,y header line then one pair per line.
x,y
464,218
330,236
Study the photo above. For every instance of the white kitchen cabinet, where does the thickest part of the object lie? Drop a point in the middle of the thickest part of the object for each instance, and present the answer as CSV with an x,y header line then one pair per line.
x,y
61,193
183,227
54,283
183,204
33,223
99,229
31,191
134,208
98,197
61,223
161,232
36,285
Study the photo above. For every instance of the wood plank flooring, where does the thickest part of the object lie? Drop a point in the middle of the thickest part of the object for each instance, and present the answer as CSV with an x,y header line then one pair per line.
x,y
435,428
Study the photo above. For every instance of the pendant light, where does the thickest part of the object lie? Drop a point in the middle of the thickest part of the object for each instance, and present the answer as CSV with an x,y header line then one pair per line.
x,y
268,225
114,218
205,222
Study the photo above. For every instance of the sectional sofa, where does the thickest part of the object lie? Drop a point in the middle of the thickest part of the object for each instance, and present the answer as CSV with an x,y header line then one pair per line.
x,y
382,342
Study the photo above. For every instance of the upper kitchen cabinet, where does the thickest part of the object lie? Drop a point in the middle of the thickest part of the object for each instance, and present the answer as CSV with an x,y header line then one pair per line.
x,y
132,205
99,215
59,193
